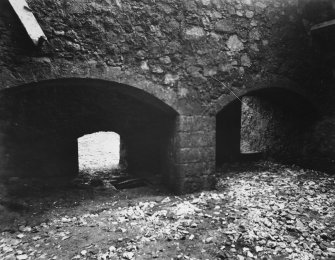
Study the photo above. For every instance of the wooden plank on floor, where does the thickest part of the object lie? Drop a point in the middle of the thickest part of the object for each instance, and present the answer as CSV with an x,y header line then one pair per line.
x,y
28,20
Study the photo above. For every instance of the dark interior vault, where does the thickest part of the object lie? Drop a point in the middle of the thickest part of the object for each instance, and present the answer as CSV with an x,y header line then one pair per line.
x,y
228,133
40,124
268,123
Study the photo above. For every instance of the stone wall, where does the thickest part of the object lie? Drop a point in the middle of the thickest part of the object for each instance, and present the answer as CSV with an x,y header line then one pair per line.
x,y
170,50
271,129
177,45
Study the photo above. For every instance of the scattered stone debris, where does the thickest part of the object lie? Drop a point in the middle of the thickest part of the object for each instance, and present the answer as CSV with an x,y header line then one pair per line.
x,y
262,211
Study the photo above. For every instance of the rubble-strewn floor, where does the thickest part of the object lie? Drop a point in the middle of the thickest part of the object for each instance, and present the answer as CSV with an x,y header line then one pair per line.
x,y
264,211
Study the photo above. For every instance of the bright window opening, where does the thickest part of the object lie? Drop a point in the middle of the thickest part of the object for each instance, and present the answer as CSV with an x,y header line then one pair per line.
x,y
99,151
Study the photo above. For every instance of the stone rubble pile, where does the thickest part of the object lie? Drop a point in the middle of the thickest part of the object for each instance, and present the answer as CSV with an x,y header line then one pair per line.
x,y
280,212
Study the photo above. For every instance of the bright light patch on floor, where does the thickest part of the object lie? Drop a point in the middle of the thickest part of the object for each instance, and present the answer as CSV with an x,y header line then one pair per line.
x,y
99,151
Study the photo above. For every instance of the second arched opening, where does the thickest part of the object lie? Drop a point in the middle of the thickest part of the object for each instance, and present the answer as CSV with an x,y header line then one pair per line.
x,y
268,123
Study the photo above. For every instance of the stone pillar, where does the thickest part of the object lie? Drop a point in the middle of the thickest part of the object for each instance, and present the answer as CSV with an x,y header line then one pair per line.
x,y
194,159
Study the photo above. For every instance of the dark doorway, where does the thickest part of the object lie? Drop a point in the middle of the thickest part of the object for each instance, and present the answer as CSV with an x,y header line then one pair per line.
x,y
40,125
268,123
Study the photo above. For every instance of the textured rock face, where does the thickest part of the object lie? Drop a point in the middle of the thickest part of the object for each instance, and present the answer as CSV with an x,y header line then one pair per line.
x,y
169,49
281,130
152,41
267,128
267,123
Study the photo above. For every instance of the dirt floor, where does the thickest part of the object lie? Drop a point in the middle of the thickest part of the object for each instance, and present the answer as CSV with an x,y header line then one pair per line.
x,y
258,211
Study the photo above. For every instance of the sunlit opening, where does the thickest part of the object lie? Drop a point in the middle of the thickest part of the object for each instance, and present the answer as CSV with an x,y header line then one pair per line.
x,y
99,151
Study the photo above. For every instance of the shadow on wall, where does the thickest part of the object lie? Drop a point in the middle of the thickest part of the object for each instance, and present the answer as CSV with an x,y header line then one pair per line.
x,y
268,123
317,11
322,145
228,133
40,124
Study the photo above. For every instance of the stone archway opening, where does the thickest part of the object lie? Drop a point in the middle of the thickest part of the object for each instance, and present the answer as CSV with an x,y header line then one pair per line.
x,y
40,125
269,123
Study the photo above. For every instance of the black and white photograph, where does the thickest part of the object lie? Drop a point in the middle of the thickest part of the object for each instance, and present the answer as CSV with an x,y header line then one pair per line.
x,y
167,129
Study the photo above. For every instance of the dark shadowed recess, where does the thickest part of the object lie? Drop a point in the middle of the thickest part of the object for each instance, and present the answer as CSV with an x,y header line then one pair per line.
x,y
40,124
293,117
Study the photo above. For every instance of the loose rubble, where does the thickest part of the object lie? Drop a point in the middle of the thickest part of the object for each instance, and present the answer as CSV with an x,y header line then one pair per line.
x,y
268,211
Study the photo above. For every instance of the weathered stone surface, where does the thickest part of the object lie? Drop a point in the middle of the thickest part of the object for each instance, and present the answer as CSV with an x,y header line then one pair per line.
x,y
194,33
157,69
249,14
224,26
144,65
245,60
234,43
197,169
270,129
168,49
196,139
170,79
254,35
206,2
165,60
194,155
196,123
96,36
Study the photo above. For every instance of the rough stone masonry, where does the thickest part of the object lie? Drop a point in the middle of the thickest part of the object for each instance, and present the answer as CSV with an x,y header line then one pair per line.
x,y
145,70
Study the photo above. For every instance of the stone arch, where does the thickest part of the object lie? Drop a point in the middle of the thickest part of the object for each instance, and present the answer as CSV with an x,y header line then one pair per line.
x,y
149,93
281,85
268,119
41,121
43,70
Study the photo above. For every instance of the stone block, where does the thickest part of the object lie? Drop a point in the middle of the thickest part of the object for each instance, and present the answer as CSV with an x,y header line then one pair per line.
x,y
198,176
196,139
192,155
197,170
224,26
235,44
196,123
194,33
